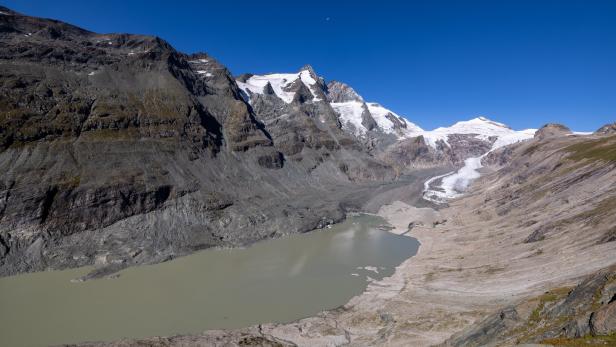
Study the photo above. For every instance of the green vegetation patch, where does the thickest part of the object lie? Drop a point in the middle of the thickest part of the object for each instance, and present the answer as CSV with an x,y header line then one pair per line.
x,y
551,296
537,324
602,149
607,340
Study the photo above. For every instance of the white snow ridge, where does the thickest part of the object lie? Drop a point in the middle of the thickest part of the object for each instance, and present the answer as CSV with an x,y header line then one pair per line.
x,y
279,82
454,184
351,113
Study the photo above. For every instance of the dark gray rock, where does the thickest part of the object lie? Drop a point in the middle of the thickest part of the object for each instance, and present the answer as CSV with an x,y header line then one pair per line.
x,y
416,153
483,333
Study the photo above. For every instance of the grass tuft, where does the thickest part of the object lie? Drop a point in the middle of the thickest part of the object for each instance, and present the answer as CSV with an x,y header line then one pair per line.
x,y
596,150
589,340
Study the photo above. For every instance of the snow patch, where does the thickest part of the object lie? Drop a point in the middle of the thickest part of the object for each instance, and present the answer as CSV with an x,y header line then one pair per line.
x,y
351,113
255,85
429,182
280,82
205,72
309,81
511,138
379,113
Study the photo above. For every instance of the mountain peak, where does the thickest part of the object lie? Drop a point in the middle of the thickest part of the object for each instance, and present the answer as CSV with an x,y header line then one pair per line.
x,y
342,92
7,11
487,121
552,130
308,68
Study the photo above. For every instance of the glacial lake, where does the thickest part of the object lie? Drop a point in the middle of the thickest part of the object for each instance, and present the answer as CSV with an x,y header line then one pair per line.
x,y
271,281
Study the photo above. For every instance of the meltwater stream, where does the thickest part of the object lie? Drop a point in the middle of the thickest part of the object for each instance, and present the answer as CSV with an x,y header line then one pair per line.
x,y
272,281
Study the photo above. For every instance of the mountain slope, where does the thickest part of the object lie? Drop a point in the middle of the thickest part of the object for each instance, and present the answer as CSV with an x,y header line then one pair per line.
x,y
397,141
369,123
118,149
526,256
104,134
452,147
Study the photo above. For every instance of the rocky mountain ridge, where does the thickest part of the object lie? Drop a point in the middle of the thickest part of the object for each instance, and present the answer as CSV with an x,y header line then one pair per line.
x,y
118,149
390,136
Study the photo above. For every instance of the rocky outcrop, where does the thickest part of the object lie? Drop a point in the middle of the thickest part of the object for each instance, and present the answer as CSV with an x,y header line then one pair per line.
x,y
341,92
305,128
415,152
584,313
253,337
608,129
552,130
499,157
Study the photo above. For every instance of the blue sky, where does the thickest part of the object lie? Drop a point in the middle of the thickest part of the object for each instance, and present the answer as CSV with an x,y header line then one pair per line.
x,y
524,63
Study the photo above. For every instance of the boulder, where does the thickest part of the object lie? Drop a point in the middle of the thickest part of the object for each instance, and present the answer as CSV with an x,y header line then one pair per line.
x,y
603,322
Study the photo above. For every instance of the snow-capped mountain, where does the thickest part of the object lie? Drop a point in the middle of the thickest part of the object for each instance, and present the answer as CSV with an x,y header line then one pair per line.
x,y
454,183
482,128
360,117
283,85
364,120
400,142
453,145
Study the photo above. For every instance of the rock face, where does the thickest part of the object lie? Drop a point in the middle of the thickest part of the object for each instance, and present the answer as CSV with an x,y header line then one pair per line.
x,y
118,147
283,97
552,130
339,92
416,153
450,146
607,129
586,311
293,108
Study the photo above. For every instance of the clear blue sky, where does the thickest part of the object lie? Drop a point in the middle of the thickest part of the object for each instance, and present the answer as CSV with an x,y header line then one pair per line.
x,y
523,63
